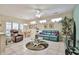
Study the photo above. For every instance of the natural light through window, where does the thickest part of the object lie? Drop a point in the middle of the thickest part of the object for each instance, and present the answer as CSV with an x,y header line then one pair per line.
x,y
13,25
8,28
42,21
56,19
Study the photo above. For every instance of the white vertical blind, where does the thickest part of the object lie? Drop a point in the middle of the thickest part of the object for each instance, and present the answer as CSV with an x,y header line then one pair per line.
x,y
8,28
15,26
21,27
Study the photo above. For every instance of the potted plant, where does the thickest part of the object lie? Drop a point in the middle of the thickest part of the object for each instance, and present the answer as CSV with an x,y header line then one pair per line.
x,y
67,30
67,27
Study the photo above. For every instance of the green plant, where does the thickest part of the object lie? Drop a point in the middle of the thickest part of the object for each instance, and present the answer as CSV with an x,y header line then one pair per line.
x,y
67,30
67,25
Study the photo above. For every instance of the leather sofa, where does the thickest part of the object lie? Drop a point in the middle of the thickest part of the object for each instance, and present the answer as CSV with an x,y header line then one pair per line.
x,y
52,35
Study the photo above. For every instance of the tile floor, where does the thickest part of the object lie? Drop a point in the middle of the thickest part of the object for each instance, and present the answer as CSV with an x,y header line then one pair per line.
x,y
54,48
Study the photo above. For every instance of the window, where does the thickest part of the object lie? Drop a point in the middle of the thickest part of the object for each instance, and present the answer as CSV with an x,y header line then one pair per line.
x,y
8,28
21,27
42,21
33,22
13,25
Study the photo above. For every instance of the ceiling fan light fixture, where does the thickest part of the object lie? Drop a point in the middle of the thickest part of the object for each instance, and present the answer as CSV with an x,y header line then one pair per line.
x,y
38,13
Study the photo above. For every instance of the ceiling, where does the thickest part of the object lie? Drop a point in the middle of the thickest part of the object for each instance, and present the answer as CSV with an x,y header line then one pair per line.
x,y
28,11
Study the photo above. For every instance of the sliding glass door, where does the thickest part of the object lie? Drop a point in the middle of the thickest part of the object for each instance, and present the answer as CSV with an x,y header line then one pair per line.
x,y
15,26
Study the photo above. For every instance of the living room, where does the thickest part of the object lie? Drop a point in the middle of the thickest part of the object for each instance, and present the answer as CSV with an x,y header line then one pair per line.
x,y
21,24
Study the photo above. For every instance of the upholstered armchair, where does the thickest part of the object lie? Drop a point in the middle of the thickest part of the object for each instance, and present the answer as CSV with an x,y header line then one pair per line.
x,y
15,36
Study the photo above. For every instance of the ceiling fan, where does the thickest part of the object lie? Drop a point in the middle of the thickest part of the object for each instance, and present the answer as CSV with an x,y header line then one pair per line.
x,y
38,13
